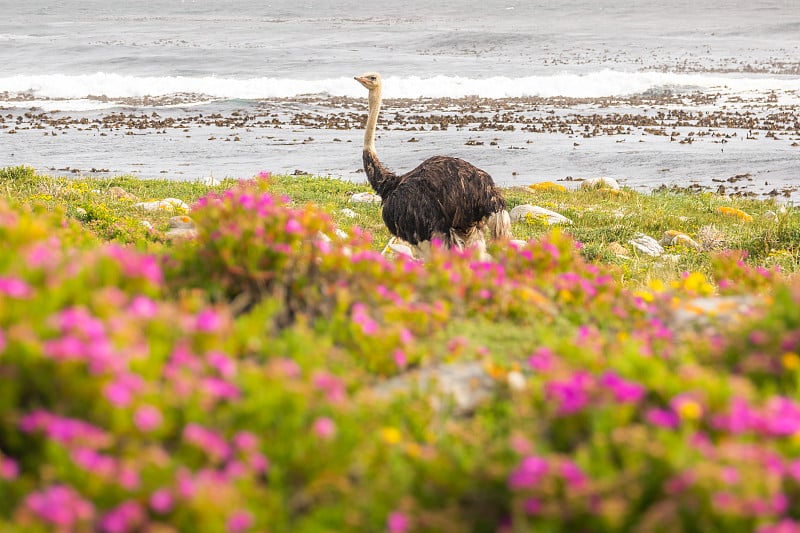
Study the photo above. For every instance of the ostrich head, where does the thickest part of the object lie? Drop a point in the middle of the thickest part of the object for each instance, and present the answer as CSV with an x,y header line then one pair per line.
x,y
370,80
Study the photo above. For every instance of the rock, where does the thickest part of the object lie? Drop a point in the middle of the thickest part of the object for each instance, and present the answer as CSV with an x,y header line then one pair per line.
x,y
181,222
341,233
466,384
401,249
675,238
146,224
618,250
365,197
80,213
167,204
181,233
771,215
121,194
701,312
349,213
600,183
646,245
522,212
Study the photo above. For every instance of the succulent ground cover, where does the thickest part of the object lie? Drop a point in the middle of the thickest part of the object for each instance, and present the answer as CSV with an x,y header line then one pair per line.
x,y
232,382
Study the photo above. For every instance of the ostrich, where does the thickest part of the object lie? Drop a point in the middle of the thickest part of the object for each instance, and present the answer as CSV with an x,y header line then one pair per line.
x,y
444,198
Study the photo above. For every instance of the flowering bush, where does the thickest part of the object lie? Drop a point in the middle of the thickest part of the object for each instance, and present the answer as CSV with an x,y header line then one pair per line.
x,y
237,383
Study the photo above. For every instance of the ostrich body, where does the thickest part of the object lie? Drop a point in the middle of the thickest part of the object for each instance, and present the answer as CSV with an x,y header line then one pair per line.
x,y
444,198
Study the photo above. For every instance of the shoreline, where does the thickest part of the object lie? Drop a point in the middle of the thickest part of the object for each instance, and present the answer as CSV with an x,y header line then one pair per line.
x,y
698,140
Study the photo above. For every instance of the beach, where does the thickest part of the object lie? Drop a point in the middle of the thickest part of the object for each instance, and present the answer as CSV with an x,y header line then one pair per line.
x,y
694,97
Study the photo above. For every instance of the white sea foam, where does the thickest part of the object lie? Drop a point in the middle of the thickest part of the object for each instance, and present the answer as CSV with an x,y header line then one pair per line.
x,y
595,84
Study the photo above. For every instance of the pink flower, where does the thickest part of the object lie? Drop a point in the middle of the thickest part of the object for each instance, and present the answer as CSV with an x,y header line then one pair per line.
x,y
240,521
528,473
222,364
205,439
400,358
148,418
245,441
15,288
324,427
397,522
161,501
128,478
624,391
573,475
264,174
331,385
9,469
362,318
3,342
208,321
258,462
787,525
123,518
542,359
571,395
532,506
95,463
664,418
120,391
293,226
60,506
143,307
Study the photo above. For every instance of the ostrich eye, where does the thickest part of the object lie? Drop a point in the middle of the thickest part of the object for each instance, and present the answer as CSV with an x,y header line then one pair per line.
x,y
372,78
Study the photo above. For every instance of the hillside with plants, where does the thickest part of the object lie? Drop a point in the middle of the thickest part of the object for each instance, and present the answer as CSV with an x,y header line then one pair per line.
x,y
275,371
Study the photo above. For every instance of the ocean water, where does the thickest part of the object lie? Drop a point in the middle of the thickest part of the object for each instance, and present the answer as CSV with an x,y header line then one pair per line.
x,y
189,88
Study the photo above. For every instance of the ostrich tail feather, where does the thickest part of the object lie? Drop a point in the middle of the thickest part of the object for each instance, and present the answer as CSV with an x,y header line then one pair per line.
x,y
499,224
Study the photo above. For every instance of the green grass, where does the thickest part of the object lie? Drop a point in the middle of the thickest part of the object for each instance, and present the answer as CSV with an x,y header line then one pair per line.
x,y
600,217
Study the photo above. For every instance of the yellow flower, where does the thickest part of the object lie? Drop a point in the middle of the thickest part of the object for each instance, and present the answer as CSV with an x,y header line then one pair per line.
x,y
732,211
646,296
695,282
391,435
547,186
690,410
791,361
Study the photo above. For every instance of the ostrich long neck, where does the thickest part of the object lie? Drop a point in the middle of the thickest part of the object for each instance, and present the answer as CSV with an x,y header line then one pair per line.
x,y
380,178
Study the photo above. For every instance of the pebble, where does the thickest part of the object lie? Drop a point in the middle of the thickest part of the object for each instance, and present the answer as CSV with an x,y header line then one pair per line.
x,y
646,245
522,212
167,204
466,384
401,249
181,222
365,197
81,213
181,233
600,183
349,213
146,224
771,215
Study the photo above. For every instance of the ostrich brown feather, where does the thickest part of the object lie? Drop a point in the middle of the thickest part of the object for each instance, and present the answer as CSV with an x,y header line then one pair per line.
x,y
444,198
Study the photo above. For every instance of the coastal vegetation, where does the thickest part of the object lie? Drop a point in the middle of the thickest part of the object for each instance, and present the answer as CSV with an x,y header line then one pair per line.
x,y
275,371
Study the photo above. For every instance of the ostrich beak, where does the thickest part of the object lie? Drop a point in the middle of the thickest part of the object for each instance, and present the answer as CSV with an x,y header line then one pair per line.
x,y
359,79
